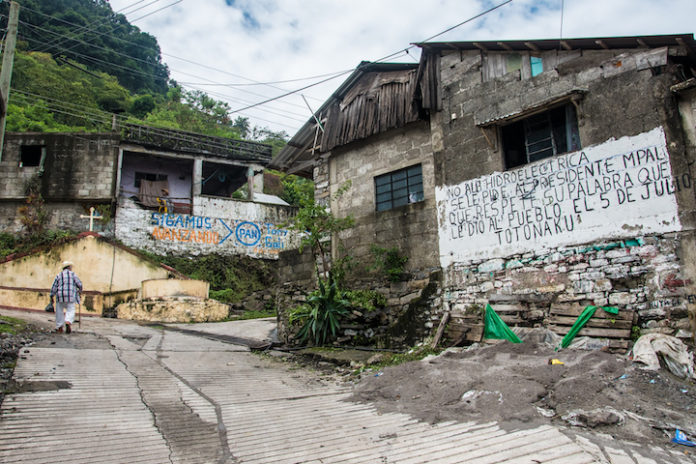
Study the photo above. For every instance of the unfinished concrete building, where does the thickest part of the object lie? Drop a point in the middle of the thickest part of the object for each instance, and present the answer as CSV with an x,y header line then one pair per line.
x,y
161,190
538,176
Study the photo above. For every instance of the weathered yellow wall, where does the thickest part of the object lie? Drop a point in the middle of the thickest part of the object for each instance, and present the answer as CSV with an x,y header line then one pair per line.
x,y
174,287
93,303
109,275
100,266
179,309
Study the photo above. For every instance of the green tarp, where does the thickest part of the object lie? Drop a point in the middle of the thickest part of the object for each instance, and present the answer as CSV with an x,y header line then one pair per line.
x,y
582,320
494,327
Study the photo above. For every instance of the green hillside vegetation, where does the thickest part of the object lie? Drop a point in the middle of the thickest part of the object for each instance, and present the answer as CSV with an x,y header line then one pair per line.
x,y
78,63
90,33
49,95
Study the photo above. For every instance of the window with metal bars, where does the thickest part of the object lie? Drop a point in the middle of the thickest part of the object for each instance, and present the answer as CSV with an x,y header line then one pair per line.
x,y
540,136
399,188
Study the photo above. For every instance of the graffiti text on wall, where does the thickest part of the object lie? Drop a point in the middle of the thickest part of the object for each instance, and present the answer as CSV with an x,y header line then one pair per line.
x,y
255,236
566,199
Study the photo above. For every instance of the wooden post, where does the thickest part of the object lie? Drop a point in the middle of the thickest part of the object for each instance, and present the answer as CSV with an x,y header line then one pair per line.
x,y
440,329
6,72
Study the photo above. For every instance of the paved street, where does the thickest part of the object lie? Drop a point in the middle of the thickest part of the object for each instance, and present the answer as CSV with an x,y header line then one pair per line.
x,y
118,392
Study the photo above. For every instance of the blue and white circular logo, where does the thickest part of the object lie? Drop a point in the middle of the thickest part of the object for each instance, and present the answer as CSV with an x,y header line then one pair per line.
x,y
248,233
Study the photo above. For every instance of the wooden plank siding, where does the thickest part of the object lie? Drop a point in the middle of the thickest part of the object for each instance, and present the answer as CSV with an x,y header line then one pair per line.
x,y
378,102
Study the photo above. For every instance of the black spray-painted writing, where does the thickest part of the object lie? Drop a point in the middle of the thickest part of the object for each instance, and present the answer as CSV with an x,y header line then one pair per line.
x,y
552,197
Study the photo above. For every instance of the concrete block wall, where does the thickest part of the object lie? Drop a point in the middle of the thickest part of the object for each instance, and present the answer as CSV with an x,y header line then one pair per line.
x,y
622,94
227,227
78,172
411,228
76,166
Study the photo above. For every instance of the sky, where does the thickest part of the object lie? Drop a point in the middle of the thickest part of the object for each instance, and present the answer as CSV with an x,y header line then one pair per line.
x,y
245,52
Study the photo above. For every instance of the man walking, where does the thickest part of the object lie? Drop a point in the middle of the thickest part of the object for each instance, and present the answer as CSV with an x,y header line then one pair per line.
x,y
66,290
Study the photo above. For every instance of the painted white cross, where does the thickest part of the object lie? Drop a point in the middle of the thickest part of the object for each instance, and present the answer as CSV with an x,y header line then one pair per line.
x,y
92,216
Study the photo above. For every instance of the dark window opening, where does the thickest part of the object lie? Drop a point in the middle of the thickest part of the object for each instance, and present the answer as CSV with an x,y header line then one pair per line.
x,y
540,136
30,155
222,180
148,176
399,188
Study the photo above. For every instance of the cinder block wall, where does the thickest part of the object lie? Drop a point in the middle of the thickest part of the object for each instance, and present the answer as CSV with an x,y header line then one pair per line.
x,y
78,172
411,228
652,276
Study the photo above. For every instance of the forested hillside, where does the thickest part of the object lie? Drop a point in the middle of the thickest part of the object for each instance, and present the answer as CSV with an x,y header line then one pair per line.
x,y
78,64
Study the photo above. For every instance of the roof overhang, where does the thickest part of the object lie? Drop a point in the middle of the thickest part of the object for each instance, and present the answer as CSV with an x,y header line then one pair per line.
x,y
300,153
596,43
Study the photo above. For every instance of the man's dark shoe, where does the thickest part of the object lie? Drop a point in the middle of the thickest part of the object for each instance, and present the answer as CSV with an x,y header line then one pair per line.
x,y
68,329
59,330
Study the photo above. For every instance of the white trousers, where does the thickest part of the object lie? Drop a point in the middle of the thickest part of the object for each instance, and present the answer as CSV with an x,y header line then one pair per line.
x,y
69,316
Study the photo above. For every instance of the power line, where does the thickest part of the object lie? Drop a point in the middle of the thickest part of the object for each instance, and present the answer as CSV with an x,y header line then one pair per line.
x,y
268,83
156,11
289,93
106,117
100,33
114,65
483,13
88,27
386,57
137,72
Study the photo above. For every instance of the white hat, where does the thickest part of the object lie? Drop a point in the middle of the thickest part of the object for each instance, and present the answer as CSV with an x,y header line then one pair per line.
x,y
67,264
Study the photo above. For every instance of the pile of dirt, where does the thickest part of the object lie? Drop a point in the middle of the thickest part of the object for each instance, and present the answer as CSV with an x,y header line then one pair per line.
x,y
519,385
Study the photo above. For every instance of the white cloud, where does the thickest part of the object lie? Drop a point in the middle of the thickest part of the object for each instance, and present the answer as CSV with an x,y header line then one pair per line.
x,y
274,40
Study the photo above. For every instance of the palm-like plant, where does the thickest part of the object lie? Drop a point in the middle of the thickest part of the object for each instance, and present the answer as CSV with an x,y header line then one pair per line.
x,y
321,314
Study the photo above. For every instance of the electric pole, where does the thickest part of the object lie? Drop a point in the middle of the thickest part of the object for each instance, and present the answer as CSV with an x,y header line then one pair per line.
x,y
6,71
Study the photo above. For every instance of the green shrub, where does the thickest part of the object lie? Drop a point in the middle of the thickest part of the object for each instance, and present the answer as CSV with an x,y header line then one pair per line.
x,y
389,261
320,316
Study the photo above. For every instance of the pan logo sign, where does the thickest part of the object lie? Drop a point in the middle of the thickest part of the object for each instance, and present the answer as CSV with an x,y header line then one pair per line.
x,y
248,233
256,237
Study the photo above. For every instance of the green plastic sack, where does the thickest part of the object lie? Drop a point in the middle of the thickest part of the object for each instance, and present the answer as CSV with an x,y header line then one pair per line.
x,y
495,327
582,320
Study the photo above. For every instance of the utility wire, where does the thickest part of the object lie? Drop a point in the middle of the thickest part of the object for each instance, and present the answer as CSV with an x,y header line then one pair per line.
x,y
384,58
96,60
105,116
267,83
114,65
101,33
88,27
157,11
289,93
483,13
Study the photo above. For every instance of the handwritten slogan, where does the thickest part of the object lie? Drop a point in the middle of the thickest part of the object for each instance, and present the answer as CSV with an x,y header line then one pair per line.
x,y
621,187
256,237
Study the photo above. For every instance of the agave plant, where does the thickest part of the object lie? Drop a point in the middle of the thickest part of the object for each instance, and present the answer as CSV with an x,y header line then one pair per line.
x,y
321,314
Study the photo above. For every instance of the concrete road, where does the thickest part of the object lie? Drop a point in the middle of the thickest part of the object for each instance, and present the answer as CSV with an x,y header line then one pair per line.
x,y
118,392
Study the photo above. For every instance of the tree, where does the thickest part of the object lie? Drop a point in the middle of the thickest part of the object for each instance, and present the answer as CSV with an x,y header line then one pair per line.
x,y
142,105
320,317
90,33
317,225
242,124
276,139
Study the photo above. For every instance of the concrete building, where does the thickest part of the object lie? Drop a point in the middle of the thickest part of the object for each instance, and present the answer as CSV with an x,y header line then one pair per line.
x,y
160,190
539,176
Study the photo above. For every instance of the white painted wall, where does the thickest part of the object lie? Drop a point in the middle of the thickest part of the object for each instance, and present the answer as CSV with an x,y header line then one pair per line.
x,y
615,189
220,226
